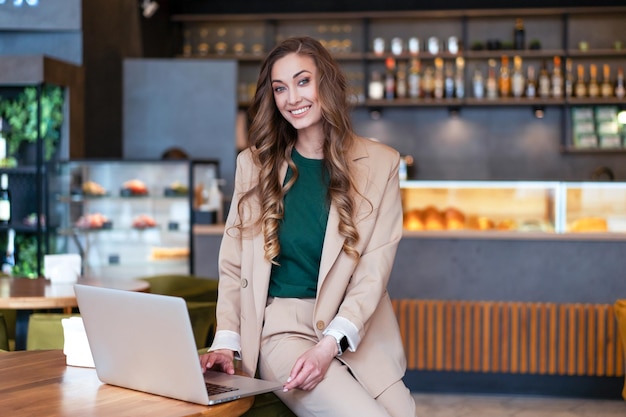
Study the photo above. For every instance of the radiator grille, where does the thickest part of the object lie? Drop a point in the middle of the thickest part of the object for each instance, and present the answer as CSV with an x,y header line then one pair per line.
x,y
510,337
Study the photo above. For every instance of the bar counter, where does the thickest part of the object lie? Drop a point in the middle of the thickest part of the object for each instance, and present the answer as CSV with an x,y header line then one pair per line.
x,y
473,265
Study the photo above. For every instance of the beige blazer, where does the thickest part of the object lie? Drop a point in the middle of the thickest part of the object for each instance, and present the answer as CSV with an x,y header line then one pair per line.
x,y
354,290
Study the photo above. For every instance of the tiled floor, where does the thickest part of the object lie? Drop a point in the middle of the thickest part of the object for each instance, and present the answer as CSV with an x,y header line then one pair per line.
x,y
457,405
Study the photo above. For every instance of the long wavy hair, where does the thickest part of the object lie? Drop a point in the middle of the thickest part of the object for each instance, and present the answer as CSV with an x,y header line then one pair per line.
x,y
272,138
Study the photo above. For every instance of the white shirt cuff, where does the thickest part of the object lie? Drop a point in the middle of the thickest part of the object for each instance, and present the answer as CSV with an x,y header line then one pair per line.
x,y
340,327
226,339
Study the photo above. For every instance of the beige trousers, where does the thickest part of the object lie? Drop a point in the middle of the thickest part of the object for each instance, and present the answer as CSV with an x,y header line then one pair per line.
x,y
287,333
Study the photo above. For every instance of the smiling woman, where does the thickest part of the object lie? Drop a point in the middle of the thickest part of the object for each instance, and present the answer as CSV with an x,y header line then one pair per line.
x,y
315,221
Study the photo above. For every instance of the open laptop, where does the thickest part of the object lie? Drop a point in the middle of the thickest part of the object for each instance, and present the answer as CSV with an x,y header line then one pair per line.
x,y
145,342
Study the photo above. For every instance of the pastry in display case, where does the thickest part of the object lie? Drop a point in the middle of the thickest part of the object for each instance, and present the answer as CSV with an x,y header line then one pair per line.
x,y
92,188
479,206
134,187
594,207
93,221
126,218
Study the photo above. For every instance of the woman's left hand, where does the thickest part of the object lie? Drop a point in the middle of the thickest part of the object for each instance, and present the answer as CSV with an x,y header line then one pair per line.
x,y
311,366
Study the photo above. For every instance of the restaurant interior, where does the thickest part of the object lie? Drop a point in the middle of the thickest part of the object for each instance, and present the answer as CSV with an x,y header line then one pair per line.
x,y
508,283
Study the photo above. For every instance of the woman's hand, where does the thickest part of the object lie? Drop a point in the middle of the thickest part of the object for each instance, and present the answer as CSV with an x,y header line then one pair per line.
x,y
219,360
311,366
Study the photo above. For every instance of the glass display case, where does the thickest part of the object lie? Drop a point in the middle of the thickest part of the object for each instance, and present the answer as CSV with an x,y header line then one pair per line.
x,y
548,208
479,205
130,218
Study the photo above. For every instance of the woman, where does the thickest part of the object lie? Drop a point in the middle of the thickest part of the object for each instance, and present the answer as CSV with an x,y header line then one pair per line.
x,y
309,245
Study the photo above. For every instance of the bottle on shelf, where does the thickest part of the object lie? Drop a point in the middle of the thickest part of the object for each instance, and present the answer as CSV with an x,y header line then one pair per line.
x,y
517,79
449,80
5,200
415,79
569,78
428,82
519,35
544,81
438,90
390,78
459,78
491,86
478,84
8,261
531,82
606,89
580,89
376,88
505,77
620,89
401,82
397,46
414,46
557,78
593,89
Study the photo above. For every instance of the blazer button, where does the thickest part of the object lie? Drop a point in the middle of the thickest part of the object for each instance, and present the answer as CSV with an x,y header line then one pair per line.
x,y
320,325
244,283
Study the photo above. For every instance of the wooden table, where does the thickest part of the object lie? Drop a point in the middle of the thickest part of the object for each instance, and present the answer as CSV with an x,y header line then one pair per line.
x,y
38,383
24,295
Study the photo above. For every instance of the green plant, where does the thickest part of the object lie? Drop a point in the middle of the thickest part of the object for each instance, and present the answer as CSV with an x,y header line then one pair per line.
x,y
21,116
477,46
25,256
534,44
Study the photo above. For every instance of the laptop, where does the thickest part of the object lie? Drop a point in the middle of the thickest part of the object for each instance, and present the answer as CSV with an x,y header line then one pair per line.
x,y
145,342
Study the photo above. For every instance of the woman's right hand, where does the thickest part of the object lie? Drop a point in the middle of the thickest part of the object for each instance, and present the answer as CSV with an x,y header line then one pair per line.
x,y
218,360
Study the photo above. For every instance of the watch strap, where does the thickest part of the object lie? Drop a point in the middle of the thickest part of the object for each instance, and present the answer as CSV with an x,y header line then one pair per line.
x,y
342,345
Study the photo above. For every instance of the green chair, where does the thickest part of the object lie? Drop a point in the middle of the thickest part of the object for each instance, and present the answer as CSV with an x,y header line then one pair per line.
x,y
201,296
203,321
4,334
45,331
189,287
10,318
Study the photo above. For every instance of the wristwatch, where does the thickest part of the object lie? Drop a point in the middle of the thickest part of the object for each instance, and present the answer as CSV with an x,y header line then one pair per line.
x,y
342,345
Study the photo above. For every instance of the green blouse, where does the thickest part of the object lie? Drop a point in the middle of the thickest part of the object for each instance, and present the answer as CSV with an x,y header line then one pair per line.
x,y
302,230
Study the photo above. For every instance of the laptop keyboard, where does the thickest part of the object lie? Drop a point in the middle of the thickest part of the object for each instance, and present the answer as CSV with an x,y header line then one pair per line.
x,y
214,389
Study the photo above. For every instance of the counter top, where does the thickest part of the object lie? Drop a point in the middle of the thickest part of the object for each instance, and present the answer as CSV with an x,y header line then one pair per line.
x,y
218,230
